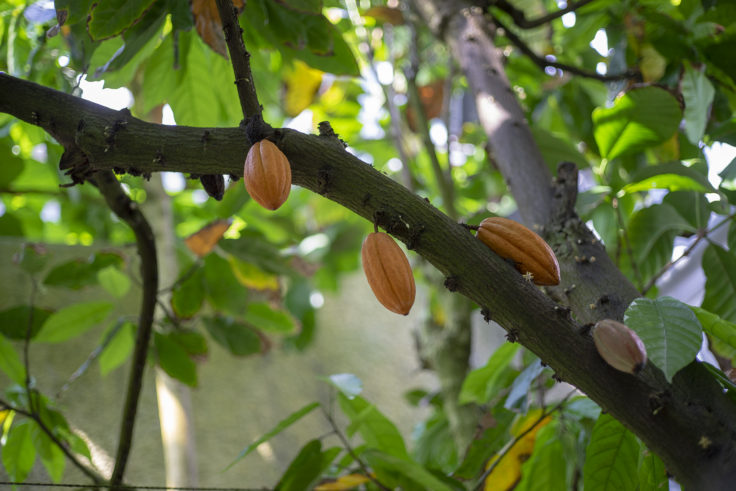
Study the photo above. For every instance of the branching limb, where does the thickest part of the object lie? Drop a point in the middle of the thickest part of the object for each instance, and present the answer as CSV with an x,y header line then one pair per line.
x,y
543,62
240,59
519,18
128,211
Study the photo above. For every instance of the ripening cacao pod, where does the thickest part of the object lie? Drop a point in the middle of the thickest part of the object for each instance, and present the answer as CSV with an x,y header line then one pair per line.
x,y
529,252
267,174
388,272
620,346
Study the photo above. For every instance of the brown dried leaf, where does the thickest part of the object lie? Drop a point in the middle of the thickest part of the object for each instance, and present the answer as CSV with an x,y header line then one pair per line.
x,y
204,240
208,23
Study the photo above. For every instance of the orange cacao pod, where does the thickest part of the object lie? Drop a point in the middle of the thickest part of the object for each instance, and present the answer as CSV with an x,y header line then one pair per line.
x,y
388,272
620,346
530,253
267,174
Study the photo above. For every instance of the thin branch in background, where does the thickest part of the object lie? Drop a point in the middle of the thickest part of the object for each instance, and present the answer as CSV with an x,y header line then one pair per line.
x,y
507,449
627,244
519,18
239,58
445,187
702,234
128,211
543,62
96,478
350,450
27,346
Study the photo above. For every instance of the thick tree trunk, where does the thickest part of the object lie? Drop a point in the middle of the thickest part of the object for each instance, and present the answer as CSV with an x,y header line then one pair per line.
x,y
689,423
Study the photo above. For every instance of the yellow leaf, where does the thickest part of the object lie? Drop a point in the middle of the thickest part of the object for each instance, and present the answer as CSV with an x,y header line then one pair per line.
x,y
343,483
251,276
301,85
206,238
507,472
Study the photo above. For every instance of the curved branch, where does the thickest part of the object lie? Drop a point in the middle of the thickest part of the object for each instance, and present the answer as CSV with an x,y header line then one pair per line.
x,y
519,18
671,418
128,211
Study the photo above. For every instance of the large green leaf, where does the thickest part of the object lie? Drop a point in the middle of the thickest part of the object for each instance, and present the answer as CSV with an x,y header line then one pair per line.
x,y
719,266
72,321
612,457
79,273
14,322
483,383
390,466
377,430
114,281
307,467
652,473
698,93
263,317
10,362
281,426
223,290
669,329
545,469
556,149
19,453
110,18
188,295
673,176
722,333
237,338
174,359
639,119
117,345
651,232
690,205
52,457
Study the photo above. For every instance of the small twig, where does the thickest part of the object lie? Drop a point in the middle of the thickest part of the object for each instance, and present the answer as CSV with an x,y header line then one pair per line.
x,y
445,187
240,59
543,62
702,234
519,18
128,211
545,413
26,348
96,478
350,450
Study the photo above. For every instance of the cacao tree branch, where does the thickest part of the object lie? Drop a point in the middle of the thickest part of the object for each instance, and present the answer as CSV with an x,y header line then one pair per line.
x,y
128,211
671,418
519,17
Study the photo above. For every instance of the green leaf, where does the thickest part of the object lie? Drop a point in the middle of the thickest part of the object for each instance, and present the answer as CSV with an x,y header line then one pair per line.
x,y
237,338
545,469
731,238
138,36
114,281
639,119
18,453
252,247
722,333
377,430
174,359
188,295
489,443
72,321
110,18
651,232
14,321
118,348
10,362
669,330
347,383
223,290
611,458
32,258
76,9
482,383
193,342
698,93
283,424
517,397
719,266
79,273
673,176
556,149
391,465
652,473
690,205
52,457
263,317
307,467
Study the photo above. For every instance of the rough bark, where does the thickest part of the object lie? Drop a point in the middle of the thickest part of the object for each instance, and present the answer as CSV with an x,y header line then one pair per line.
x,y
674,420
